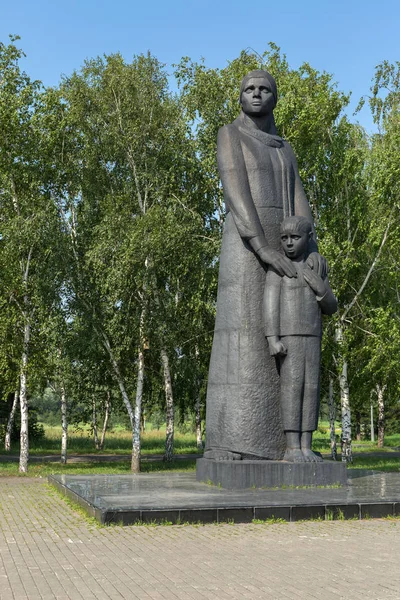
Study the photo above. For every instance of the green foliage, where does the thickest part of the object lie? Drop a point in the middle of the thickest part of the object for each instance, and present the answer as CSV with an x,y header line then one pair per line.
x,y
36,430
111,215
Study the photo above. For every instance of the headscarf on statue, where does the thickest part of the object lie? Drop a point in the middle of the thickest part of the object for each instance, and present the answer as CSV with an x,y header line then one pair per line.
x,y
260,73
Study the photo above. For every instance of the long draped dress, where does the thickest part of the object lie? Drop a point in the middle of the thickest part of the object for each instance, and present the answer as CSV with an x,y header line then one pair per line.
x,y
261,186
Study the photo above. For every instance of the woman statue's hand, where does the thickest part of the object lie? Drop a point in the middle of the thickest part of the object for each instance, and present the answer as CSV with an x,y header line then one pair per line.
x,y
281,264
318,263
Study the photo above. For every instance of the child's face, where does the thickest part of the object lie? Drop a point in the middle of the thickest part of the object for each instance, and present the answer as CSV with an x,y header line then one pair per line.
x,y
294,244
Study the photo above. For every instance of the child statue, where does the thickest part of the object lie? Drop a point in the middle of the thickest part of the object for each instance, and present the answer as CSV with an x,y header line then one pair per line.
x,y
293,328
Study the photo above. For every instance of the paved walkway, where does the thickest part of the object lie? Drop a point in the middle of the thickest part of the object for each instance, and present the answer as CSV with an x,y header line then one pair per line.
x,y
49,551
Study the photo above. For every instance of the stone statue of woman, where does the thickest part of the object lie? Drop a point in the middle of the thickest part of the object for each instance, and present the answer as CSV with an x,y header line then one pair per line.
x,y
261,186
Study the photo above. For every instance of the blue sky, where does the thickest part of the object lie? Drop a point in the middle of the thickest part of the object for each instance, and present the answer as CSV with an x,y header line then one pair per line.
x,y
346,38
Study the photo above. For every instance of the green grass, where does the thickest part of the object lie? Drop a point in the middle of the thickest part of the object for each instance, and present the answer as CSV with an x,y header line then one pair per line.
x,y
389,465
90,468
321,441
118,441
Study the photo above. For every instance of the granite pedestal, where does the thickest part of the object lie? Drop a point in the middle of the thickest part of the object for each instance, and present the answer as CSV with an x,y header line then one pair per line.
x,y
242,474
179,498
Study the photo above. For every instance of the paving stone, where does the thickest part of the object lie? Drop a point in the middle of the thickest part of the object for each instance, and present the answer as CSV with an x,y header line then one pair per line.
x,y
49,551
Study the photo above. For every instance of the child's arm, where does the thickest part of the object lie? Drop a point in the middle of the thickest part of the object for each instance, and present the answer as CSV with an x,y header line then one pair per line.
x,y
321,288
276,348
271,310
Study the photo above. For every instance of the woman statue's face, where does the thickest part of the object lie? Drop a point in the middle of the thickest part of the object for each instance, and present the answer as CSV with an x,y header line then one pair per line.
x,y
257,99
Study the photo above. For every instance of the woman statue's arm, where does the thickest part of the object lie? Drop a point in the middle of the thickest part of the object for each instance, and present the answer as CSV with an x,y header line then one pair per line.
x,y
240,203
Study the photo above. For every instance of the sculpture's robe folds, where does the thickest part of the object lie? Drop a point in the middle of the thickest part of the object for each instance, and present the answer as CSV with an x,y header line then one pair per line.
x,y
261,186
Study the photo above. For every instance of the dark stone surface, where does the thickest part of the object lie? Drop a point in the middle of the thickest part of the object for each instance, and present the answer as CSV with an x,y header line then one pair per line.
x,y
238,515
377,511
160,516
128,517
293,308
272,512
242,474
178,497
261,186
245,415
199,515
307,512
342,511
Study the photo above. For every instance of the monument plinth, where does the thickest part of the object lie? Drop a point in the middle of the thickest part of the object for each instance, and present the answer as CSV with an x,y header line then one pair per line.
x,y
244,474
263,389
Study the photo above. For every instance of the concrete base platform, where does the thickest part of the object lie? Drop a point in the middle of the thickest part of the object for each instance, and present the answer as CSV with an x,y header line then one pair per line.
x,y
179,498
242,474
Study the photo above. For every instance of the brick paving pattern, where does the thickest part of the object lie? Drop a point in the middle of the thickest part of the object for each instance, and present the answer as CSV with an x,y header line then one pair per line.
x,y
49,551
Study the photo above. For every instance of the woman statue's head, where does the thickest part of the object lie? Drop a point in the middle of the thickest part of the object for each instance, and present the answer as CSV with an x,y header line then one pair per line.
x,y
258,93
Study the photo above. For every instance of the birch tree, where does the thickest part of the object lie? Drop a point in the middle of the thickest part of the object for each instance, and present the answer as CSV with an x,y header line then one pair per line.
x,y
126,185
381,310
29,220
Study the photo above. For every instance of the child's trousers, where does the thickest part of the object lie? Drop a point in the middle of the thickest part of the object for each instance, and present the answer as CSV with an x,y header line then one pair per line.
x,y
299,375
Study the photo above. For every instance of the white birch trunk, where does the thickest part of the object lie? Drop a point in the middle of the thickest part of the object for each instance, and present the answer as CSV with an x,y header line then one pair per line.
x,y
124,394
344,401
23,402
10,422
380,390
347,455
372,423
332,419
64,426
23,394
136,446
169,408
199,437
105,422
94,423
197,406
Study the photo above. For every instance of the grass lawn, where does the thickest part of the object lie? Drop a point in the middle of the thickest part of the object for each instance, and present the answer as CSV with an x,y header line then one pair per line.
x,y
321,441
389,464
118,442
89,468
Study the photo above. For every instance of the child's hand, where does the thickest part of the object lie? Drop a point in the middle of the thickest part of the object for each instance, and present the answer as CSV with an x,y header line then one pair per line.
x,y
315,282
277,348
318,263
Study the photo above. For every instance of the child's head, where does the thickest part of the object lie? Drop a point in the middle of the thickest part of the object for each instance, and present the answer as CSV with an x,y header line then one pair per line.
x,y
295,235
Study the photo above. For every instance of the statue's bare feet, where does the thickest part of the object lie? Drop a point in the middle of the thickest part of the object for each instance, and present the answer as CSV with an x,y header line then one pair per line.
x,y
294,455
222,455
310,456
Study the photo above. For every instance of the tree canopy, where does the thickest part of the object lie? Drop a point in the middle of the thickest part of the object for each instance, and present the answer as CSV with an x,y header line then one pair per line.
x,y
111,214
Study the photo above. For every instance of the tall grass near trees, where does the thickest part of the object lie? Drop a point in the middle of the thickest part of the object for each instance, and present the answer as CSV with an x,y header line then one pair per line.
x,y
45,453
118,441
